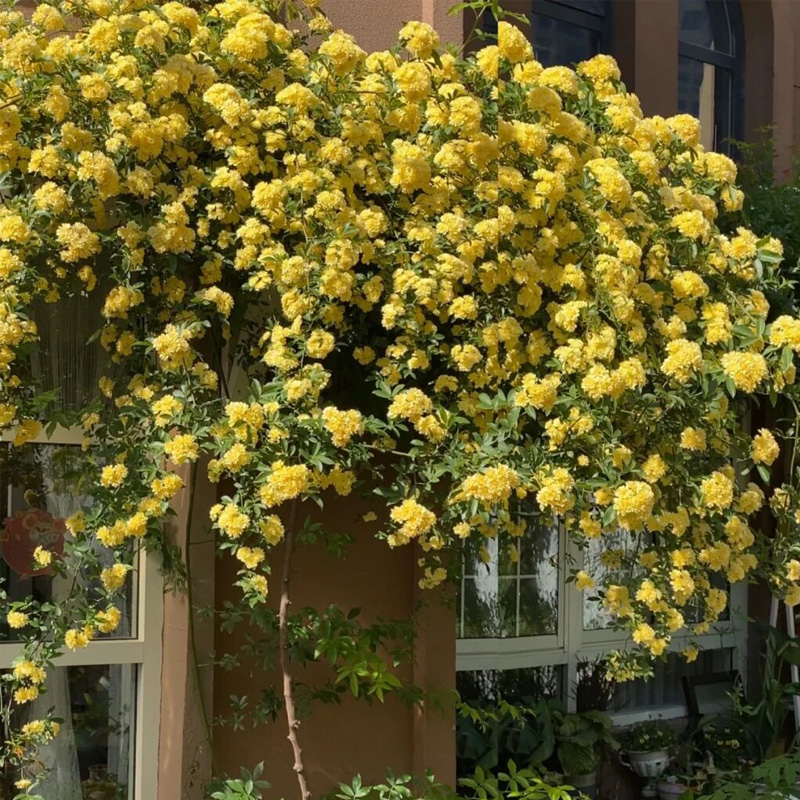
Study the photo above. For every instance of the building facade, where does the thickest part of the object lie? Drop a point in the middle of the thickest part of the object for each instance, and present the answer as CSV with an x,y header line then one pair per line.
x,y
733,63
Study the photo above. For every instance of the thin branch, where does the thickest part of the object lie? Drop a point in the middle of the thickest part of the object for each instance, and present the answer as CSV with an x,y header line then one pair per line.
x,y
192,634
288,689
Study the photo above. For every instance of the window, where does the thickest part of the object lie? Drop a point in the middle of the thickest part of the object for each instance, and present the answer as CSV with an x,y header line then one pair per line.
x,y
566,31
523,631
710,55
108,694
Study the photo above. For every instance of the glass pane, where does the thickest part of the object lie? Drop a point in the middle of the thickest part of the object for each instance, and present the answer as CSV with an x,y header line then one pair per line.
x,y
666,687
696,23
694,613
538,607
490,607
706,23
91,757
556,42
489,602
696,95
513,685
490,557
706,92
599,561
64,360
41,485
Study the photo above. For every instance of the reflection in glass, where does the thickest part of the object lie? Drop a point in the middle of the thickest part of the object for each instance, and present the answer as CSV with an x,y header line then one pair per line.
x,y
599,561
707,24
695,24
91,756
513,685
556,42
665,688
504,596
41,485
699,87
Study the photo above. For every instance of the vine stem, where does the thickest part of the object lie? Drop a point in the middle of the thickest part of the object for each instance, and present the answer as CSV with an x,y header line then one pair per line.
x,y
192,633
288,688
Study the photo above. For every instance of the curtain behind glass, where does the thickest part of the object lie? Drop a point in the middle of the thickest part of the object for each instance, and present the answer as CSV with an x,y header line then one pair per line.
x,y
65,361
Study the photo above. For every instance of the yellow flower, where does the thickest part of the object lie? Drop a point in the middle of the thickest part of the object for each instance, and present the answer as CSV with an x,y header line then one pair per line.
x,y
113,475
555,491
319,344
717,491
693,439
17,619
113,577
633,502
683,359
491,486
251,557
512,43
108,620
746,370
584,581
413,520
285,482
232,521
271,529
76,639
792,595
342,425
42,558
182,448
419,38
690,654
765,449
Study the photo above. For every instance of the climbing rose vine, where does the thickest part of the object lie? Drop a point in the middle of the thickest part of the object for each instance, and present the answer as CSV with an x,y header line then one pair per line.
x,y
471,285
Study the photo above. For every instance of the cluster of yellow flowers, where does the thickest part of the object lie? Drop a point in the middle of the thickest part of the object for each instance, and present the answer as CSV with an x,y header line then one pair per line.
x,y
499,286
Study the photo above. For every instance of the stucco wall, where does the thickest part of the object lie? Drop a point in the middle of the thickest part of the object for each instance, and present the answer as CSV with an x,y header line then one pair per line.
x,y
339,741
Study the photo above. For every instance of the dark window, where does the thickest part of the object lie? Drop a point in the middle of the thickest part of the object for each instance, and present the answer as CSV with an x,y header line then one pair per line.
x,y
565,31
710,57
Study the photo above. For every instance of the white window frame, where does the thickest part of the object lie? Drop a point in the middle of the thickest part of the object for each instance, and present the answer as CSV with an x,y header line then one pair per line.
x,y
573,645
142,651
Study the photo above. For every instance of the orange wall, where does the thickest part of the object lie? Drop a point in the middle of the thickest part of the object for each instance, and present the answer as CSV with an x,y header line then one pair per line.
x,y
339,741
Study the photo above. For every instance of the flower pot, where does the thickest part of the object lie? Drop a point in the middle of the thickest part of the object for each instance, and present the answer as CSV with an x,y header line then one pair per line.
x,y
648,765
587,784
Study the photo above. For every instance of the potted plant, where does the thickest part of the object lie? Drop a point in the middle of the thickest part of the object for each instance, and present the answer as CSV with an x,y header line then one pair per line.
x,y
648,749
580,740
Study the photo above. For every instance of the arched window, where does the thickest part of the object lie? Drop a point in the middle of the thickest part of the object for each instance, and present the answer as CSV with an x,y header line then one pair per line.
x,y
565,31
711,53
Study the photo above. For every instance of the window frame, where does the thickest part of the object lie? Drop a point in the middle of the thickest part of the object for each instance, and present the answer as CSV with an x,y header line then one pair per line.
x,y
577,17
732,62
572,644
142,651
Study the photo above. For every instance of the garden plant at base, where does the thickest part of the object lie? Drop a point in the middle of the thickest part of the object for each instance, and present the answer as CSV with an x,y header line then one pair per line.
x,y
459,285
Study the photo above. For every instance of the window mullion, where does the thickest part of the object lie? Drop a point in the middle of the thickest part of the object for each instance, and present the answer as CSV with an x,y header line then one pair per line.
x,y
103,651
693,51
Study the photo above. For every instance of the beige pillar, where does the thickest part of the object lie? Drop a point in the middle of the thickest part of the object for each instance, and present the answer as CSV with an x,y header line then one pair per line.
x,y
786,82
184,754
434,672
646,47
